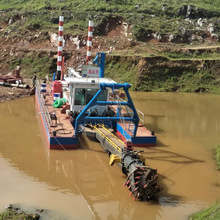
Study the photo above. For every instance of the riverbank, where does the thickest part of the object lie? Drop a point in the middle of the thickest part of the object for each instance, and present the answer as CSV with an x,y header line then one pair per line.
x,y
163,74
211,213
10,93
217,156
15,213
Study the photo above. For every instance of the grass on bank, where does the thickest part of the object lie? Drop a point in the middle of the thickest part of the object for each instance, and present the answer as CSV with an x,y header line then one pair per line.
x,y
34,63
217,156
122,69
210,213
8,214
145,16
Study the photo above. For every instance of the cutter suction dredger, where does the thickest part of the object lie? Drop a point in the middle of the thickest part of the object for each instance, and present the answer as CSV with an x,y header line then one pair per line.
x,y
142,180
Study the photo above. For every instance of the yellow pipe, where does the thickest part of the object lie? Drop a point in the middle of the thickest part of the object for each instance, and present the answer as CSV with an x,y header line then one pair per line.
x,y
112,134
108,139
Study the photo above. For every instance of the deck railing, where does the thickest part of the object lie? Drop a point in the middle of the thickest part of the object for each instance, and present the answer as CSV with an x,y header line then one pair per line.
x,y
42,102
140,113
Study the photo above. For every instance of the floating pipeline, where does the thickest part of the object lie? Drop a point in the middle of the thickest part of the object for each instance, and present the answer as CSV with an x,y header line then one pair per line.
x,y
22,86
141,179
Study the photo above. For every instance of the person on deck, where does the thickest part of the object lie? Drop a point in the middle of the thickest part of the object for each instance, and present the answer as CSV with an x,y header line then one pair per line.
x,y
34,78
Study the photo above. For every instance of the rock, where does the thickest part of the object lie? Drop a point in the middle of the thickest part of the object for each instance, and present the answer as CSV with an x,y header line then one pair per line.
x,y
54,38
193,38
37,35
35,217
210,28
10,206
157,36
200,22
215,36
171,38
182,30
201,39
76,41
187,11
163,7
11,21
190,21
137,6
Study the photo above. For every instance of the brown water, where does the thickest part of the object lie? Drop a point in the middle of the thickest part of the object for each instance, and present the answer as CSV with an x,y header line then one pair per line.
x,y
81,185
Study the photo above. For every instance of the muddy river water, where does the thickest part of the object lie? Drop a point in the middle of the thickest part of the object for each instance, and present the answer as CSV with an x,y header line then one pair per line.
x,y
80,184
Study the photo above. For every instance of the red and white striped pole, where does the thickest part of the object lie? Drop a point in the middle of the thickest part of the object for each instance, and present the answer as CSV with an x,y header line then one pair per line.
x,y
89,43
60,47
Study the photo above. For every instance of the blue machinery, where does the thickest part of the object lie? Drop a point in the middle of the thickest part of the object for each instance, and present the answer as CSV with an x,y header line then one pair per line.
x,y
141,179
82,117
100,61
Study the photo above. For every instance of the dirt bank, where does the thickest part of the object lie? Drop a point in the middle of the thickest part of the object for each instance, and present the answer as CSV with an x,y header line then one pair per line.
x,y
165,75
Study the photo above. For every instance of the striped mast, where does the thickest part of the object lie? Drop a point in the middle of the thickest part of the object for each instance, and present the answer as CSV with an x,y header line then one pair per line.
x,y
60,47
89,42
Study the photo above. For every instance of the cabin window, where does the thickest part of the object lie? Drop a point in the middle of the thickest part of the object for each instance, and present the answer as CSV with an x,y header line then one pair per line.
x,y
103,96
84,96
79,96
90,93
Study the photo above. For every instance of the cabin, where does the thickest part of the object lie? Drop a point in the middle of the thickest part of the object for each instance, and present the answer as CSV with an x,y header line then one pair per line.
x,y
83,89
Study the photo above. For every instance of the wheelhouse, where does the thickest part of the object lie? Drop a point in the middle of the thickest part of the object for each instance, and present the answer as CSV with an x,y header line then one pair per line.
x,y
83,89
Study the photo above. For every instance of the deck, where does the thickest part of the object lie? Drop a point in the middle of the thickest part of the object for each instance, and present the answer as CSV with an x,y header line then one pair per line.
x,y
62,135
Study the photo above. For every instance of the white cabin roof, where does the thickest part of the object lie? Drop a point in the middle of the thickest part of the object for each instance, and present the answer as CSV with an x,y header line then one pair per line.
x,y
88,80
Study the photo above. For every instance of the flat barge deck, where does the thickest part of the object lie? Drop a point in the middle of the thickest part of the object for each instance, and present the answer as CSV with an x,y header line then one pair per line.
x,y
62,136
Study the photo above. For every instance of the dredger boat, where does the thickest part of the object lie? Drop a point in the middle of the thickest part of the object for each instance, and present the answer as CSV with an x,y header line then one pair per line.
x,y
89,103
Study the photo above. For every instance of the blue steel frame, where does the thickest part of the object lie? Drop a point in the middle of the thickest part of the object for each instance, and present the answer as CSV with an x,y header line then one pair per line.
x,y
100,61
82,117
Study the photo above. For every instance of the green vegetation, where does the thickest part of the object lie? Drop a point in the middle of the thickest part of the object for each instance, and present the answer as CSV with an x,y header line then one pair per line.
x,y
145,16
12,215
171,80
21,18
217,156
211,213
122,69
34,63
162,75
192,55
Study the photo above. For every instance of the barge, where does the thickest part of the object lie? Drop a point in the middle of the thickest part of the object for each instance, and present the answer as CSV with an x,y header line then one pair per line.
x,y
112,111
87,102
